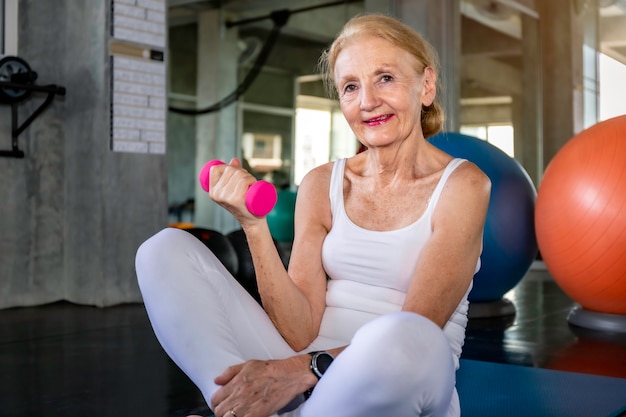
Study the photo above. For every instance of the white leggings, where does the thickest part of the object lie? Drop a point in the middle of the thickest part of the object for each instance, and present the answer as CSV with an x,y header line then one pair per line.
x,y
399,364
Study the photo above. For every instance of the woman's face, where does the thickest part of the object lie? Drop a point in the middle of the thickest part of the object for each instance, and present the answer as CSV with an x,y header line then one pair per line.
x,y
380,92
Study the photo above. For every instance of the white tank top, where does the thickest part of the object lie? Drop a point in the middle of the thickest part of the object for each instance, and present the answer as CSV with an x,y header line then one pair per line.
x,y
370,271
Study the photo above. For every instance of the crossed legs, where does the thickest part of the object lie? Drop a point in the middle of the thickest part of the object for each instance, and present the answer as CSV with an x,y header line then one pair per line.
x,y
399,364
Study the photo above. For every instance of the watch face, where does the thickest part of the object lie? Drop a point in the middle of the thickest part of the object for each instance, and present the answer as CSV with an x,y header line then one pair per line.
x,y
321,362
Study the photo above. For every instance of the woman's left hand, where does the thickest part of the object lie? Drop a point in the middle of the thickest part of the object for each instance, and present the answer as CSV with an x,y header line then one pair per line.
x,y
260,388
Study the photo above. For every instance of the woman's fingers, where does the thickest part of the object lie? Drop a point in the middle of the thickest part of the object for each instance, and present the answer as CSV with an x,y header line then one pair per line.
x,y
255,389
228,374
229,185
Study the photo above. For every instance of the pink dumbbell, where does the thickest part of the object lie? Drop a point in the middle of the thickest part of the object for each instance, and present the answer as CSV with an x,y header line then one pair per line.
x,y
260,198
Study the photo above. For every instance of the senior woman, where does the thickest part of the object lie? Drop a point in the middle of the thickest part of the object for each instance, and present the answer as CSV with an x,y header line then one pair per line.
x,y
369,318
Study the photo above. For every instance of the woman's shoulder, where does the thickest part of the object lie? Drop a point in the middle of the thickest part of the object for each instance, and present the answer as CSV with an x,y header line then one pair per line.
x,y
469,173
313,202
466,186
319,174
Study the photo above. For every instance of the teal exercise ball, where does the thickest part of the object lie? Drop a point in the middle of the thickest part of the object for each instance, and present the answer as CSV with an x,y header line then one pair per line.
x,y
280,219
509,241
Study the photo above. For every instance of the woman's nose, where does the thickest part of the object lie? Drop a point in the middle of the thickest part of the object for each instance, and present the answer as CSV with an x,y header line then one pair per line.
x,y
369,99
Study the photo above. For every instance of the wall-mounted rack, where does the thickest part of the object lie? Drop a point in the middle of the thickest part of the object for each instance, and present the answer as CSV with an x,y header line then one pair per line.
x,y
17,82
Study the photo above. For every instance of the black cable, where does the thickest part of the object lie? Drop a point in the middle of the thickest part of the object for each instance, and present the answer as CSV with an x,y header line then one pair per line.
x,y
230,24
279,18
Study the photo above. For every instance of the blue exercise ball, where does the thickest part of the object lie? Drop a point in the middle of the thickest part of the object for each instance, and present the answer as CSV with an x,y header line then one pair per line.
x,y
509,242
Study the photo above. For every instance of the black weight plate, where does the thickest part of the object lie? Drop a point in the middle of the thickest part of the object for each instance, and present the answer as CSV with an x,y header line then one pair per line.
x,y
9,66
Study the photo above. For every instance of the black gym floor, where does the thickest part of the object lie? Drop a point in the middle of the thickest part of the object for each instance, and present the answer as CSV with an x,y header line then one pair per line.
x,y
69,360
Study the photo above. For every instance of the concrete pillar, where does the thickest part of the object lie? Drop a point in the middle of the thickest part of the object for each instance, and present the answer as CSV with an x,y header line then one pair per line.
x,y
591,76
74,212
528,106
216,132
439,21
561,28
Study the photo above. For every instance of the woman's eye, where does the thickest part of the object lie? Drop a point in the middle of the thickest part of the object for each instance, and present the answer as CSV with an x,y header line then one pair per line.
x,y
386,78
349,87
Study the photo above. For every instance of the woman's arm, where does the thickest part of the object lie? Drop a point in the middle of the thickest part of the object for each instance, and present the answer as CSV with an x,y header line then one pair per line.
x,y
448,261
294,301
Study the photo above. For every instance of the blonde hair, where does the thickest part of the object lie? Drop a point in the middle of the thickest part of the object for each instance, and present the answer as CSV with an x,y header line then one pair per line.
x,y
399,35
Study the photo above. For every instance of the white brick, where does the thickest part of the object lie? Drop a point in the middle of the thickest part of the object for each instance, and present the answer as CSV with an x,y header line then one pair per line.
x,y
130,146
131,11
140,89
138,77
153,136
127,134
158,5
139,37
157,17
142,124
132,100
139,25
157,103
152,67
138,112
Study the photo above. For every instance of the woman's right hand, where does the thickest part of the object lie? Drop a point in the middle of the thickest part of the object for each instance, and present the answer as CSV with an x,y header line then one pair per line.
x,y
228,187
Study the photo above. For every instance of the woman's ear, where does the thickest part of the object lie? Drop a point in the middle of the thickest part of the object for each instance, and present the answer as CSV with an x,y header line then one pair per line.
x,y
429,86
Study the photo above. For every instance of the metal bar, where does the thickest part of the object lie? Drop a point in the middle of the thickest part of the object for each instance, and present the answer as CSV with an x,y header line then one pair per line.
x,y
36,113
55,89
16,153
16,129
14,133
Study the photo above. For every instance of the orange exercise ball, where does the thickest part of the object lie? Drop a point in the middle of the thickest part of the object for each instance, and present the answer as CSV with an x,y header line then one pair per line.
x,y
580,217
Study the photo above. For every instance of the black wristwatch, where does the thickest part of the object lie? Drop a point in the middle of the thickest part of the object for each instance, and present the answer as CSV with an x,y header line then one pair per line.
x,y
320,361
